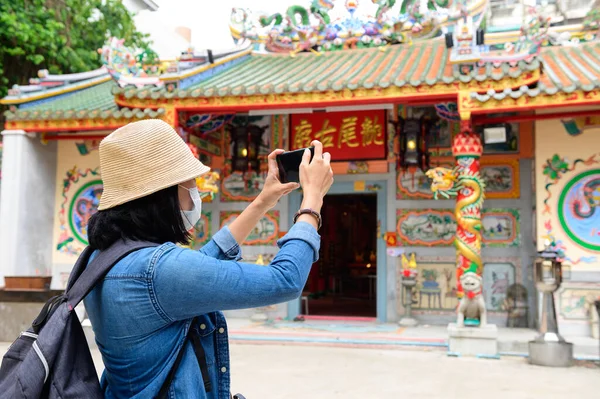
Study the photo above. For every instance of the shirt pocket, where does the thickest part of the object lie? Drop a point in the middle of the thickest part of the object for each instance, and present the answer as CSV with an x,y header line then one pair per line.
x,y
206,330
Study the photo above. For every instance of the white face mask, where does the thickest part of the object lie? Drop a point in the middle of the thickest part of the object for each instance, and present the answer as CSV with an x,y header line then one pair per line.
x,y
190,218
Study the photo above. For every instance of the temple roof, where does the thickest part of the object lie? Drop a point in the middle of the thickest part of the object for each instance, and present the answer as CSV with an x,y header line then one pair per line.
x,y
565,69
423,66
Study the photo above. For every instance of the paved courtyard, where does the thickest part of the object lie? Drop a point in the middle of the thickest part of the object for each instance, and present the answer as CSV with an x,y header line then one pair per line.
x,y
300,372
309,371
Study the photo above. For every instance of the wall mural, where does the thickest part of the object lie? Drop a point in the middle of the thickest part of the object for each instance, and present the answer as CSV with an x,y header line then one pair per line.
x,y
436,227
497,277
501,178
202,232
576,302
578,197
80,197
577,209
501,227
242,187
435,292
426,227
436,287
266,231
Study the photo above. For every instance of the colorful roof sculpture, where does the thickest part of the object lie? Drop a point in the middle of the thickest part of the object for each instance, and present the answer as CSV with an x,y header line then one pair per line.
x,y
300,28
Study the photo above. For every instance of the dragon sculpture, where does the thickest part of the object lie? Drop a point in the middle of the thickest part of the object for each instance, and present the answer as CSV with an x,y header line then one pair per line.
x,y
465,184
318,8
295,30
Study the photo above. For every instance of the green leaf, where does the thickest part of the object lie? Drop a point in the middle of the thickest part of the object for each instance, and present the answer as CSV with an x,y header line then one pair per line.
x,y
58,36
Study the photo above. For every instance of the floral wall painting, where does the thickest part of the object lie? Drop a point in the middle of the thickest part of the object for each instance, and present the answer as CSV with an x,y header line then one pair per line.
x,y
426,227
501,227
576,303
569,213
201,233
497,277
266,231
501,178
578,211
80,198
86,147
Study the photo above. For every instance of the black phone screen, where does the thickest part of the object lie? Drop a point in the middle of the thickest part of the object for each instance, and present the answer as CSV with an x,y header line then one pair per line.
x,y
289,164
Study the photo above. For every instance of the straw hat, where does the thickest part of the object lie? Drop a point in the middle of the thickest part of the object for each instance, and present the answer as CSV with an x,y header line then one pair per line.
x,y
142,158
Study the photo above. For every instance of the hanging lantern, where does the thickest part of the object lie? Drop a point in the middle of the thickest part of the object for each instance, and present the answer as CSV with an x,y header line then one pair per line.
x,y
413,151
246,144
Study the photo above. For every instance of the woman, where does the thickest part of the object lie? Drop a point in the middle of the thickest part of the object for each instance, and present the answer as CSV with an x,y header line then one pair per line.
x,y
142,310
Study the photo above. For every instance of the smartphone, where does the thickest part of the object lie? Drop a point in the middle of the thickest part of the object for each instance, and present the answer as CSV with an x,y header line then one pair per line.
x,y
289,164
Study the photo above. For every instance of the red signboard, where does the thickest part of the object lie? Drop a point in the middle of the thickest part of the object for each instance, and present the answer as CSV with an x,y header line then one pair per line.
x,y
347,136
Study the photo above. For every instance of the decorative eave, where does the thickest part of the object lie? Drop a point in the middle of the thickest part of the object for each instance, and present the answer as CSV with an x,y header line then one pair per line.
x,y
67,84
39,115
571,77
527,101
82,120
393,72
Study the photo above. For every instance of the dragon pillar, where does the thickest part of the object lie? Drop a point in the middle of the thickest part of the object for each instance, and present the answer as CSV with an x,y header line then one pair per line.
x,y
465,184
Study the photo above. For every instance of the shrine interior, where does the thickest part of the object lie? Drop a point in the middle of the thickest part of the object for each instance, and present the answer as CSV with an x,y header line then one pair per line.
x,y
343,281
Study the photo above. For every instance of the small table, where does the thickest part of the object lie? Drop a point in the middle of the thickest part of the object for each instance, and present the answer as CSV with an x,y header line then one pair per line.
x,y
435,292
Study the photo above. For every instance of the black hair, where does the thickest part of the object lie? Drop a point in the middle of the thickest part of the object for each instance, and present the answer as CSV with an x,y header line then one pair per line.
x,y
155,218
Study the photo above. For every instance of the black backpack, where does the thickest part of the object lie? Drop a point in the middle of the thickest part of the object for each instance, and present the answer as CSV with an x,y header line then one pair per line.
x,y
52,358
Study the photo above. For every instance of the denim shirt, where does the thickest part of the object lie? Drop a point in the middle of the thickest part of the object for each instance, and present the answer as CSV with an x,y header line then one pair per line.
x,y
141,311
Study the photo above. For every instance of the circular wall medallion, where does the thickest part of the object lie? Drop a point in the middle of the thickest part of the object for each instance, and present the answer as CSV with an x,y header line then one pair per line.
x,y
579,209
83,205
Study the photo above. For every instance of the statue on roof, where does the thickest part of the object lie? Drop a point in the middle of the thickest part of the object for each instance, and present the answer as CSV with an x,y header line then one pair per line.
x,y
126,67
313,29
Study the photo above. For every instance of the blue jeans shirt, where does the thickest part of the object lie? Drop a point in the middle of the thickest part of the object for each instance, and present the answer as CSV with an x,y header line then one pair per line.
x,y
140,313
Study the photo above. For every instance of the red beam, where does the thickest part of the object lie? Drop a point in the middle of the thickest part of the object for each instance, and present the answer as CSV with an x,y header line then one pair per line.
x,y
55,137
528,118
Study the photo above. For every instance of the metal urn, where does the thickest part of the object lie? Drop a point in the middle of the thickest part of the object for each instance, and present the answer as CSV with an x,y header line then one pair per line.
x,y
549,348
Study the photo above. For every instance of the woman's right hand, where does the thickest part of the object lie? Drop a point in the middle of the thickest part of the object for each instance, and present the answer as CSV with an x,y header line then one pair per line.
x,y
316,177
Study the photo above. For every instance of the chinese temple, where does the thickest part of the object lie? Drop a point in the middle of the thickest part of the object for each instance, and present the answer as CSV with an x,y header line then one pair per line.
x,y
408,102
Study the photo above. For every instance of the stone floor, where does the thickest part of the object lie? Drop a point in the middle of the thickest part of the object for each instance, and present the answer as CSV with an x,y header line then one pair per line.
x,y
318,371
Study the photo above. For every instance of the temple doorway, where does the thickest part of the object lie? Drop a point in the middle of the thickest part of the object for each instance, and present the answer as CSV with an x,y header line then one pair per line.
x,y
343,281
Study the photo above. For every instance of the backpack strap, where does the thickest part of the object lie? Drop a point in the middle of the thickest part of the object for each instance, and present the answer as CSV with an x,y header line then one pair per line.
x,y
85,276
192,336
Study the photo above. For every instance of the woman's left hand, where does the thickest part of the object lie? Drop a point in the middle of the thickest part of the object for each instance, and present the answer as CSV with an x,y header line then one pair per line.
x,y
273,189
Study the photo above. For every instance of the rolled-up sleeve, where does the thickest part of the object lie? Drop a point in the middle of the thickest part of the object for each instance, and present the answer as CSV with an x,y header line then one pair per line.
x,y
188,283
222,246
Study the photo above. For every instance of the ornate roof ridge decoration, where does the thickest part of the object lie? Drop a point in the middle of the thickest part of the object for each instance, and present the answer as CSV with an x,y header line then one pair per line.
x,y
70,114
263,74
48,85
301,28
141,71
